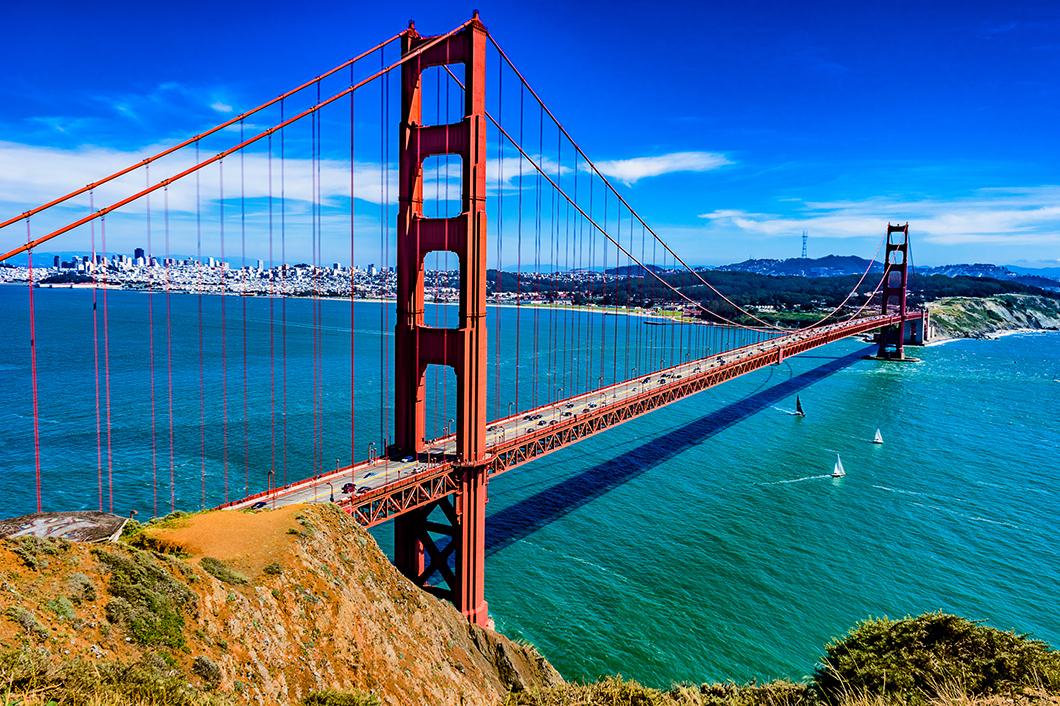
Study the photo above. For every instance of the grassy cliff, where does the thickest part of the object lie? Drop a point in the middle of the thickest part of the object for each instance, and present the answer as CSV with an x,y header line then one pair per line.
x,y
981,317
291,606
299,606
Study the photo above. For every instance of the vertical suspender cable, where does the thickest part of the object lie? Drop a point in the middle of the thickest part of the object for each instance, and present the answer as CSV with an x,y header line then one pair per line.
x,y
283,290
243,306
272,328
353,318
33,370
106,366
95,353
151,354
519,260
202,378
499,281
224,337
169,356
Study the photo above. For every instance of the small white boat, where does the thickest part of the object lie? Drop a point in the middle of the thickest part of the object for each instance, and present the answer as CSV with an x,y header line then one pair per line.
x,y
878,439
838,471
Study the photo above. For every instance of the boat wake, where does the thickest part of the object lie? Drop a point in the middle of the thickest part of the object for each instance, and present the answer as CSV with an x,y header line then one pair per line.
x,y
796,480
791,412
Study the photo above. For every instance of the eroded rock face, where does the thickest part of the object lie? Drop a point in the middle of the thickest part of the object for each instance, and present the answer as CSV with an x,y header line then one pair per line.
x,y
286,602
974,317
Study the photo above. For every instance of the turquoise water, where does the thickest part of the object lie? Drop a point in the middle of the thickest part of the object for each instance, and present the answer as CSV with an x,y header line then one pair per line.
x,y
719,551
700,542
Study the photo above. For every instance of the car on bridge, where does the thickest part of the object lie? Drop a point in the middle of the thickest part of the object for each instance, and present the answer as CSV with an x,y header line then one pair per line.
x,y
348,488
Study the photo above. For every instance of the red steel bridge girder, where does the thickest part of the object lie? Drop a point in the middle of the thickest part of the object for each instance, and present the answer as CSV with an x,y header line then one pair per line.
x,y
411,494
464,348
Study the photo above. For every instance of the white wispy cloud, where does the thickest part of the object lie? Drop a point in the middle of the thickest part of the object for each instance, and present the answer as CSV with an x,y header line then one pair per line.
x,y
32,174
221,107
630,171
1009,216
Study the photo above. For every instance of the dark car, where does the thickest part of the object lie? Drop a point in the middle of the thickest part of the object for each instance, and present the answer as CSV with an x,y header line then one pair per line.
x,y
261,504
362,491
348,487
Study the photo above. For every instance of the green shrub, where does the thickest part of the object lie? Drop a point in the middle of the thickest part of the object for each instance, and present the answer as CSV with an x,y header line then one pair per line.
x,y
207,670
776,692
81,589
36,676
329,697
145,598
918,659
219,570
27,621
62,607
273,569
33,551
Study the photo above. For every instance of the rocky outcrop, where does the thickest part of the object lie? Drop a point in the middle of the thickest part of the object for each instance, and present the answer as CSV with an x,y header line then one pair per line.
x,y
975,317
265,608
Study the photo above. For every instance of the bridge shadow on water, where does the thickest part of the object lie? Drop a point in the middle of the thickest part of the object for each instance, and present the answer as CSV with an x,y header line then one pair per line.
x,y
507,526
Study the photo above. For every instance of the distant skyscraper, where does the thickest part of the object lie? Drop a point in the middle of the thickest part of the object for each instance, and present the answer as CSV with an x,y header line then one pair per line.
x,y
55,261
805,237
371,270
138,253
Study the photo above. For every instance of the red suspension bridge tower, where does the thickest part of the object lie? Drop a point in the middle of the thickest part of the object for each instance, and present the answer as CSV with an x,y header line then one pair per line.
x,y
893,294
418,554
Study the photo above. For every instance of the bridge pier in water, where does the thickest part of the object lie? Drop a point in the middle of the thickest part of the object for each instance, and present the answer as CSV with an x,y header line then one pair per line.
x,y
451,528
892,340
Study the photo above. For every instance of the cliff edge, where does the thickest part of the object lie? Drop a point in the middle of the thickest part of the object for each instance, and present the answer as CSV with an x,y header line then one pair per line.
x,y
275,607
984,317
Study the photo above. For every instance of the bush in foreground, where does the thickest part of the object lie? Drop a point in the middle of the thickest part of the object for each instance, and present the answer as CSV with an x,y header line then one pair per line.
x,y
935,659
919,659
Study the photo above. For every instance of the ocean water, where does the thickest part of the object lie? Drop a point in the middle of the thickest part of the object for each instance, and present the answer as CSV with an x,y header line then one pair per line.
x,y
702,542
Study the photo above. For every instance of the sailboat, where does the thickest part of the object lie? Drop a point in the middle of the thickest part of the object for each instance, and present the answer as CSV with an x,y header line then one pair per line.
x,y
878,439
798,407
838,471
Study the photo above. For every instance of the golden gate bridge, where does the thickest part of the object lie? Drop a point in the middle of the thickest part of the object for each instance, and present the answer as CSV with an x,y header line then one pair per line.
x,y
483,167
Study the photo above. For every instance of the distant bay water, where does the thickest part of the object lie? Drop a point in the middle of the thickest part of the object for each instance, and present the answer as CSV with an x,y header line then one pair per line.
x,y
702,542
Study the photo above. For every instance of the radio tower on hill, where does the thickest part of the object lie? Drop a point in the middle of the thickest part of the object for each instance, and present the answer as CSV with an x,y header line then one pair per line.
x,y
805,238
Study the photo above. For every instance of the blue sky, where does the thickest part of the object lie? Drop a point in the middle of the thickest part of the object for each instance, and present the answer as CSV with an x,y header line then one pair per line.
x,y
731,126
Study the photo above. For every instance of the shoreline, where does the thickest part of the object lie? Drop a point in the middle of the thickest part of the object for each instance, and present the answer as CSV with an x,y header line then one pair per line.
x,y
606,311
991,336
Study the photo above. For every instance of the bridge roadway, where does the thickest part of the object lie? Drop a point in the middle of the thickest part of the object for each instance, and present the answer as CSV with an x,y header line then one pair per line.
x,y
380,489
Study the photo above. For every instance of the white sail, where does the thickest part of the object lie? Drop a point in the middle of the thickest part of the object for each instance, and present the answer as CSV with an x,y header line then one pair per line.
x,y
838,471
878,439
